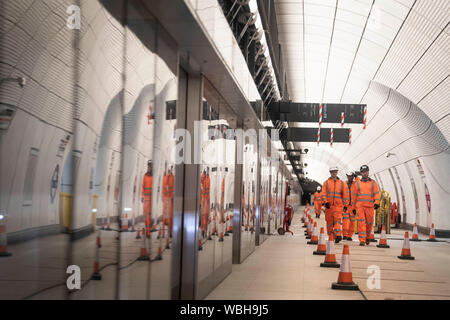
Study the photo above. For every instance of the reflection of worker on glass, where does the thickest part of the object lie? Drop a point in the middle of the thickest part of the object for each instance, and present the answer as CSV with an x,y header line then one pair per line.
x,y
204,199
165,195
170,193
146,197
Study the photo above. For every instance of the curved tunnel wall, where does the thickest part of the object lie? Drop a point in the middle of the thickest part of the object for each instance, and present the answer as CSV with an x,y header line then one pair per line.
x,y
400,127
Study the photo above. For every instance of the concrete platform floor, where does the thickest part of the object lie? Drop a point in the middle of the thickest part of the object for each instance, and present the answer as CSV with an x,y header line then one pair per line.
x,y
283,267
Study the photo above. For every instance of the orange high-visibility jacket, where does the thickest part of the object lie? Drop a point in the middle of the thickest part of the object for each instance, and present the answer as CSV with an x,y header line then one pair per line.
x,y
207,185
365,193
147,187
165,186
348,199
333,192
317,196
170,187
202,185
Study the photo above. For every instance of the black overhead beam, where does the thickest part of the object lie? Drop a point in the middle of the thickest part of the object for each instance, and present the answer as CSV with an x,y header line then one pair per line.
x,y
309,112
310,135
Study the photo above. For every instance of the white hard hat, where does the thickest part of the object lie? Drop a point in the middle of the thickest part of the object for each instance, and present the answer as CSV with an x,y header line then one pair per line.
x,y
318,188
350,173
334,168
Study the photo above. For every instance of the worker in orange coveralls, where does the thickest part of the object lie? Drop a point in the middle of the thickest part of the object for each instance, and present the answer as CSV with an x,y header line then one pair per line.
x,y
146,197
318,202
367,199
170,194
332,196
348,217
207,200
221,210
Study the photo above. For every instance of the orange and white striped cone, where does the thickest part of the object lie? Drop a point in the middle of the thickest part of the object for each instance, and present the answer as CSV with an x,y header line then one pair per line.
x,y
321,246
168,243
305,222
314,236
3,238
138,234
226,226
99,238
432,236
372,235
209,228
383,239
143,256
406,250
330,256
96,274
124,223
199,241
159,252
415,235
220,232
308,230
108,224
345,278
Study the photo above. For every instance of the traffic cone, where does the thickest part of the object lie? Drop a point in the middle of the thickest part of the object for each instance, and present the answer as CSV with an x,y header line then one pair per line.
x,y
314,236
108,227
309,230
330,257
159,255
383,240
3,238
220,232
432,237
124,223
167,243
96,274
99,239
138,235
372,236
415,235
321,246
133,225
143,256
345,278
226,234
406,251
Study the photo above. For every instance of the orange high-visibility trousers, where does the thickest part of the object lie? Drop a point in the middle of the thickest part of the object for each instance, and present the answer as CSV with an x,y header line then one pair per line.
x,y
365,222
318,207
333,217
348,222
329,220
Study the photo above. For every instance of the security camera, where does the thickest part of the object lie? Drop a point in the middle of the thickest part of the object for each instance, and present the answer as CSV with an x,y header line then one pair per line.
x,y
22,81
306,150
388,154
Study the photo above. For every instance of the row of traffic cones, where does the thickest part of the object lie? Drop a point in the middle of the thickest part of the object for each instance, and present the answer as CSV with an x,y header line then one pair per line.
x,y
345,279
431,238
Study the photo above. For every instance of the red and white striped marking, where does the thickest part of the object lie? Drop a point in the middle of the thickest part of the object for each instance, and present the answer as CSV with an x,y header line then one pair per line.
x,y
318,136
365,117
342,119
350,136
331,140
320,123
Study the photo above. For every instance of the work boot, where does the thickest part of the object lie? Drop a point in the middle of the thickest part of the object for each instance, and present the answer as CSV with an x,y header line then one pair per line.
x,y
367,242
338,239
349,239
362,244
